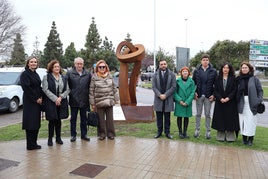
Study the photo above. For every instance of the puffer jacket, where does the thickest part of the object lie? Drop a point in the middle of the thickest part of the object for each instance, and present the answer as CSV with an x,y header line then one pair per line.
x,y
103,92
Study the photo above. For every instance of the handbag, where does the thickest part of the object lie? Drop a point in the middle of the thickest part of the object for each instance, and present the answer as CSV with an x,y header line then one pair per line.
x,y
260,108
92,119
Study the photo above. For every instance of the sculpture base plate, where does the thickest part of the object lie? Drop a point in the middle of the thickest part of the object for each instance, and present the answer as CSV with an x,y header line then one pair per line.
x,y
134,114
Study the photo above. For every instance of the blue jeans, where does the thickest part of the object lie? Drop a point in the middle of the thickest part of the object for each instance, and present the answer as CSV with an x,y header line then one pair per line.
x,y
83,123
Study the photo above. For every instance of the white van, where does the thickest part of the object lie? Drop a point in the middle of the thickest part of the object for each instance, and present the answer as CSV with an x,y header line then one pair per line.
x,y
10,89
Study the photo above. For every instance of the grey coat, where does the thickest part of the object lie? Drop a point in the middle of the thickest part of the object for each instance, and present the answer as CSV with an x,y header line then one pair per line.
x,y
171,87
255,95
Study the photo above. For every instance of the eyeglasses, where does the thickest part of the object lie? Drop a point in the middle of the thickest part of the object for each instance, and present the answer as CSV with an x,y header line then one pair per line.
x,y
103,67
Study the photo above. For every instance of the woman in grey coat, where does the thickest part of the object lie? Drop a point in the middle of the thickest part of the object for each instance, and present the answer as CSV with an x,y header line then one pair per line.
x,y
249,95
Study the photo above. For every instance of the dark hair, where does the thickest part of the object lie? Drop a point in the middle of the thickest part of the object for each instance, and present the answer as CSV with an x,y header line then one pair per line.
x,y
28,61
51,64
231,69
204,56
251,69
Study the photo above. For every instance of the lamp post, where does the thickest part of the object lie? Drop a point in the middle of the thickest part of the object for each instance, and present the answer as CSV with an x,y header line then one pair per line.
x,y
186,33
154,34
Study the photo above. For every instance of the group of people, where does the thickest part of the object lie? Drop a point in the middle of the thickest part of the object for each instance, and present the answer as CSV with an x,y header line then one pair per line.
x,y
50,95
236,100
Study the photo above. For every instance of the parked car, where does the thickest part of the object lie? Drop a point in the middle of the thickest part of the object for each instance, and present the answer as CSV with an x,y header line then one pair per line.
x,y
116,78
147,76
10,88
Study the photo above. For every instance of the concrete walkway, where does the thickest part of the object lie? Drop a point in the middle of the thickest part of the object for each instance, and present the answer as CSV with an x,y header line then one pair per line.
x,y
129,157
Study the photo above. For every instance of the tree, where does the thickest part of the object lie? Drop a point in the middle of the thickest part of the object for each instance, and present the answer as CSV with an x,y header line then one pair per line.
x,y
36,52
70,55
162,55
225,51
10,25
53,47
18,53
107,53
92,45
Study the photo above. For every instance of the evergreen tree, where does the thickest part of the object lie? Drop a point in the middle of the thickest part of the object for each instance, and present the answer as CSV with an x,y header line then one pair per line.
x,y
36,52
108,54
18,53
128,39
53,47
92,45
70,55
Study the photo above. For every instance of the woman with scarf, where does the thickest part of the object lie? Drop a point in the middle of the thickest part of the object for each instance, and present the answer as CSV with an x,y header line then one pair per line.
x,y
56,90
103,95
249,95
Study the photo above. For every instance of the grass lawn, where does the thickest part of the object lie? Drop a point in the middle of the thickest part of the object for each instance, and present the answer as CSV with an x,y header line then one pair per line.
x,y
143,130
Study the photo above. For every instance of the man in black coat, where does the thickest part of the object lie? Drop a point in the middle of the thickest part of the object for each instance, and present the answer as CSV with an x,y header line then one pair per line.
x,y
79,81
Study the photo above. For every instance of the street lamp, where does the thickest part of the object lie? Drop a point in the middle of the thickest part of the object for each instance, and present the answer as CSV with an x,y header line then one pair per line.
x,y
186,33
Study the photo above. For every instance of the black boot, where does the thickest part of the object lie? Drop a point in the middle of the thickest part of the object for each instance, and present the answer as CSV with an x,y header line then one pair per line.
x,y
185,126
58,131
179,124
245,140
50,133
250,140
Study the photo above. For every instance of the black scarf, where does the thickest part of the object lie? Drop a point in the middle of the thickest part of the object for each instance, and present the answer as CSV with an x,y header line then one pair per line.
x,y
242,84
163,81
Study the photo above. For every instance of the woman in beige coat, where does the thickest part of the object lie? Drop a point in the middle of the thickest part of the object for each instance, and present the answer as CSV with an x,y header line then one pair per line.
x,y
103,96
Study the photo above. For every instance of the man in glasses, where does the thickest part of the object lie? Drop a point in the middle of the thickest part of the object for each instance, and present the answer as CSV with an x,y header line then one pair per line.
x,y
79,82
164,85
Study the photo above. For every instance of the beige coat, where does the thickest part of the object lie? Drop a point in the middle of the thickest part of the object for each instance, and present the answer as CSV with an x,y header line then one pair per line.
x,y
103,92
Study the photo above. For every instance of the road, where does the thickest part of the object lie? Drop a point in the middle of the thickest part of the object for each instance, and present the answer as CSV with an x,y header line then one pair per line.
x,y
144,97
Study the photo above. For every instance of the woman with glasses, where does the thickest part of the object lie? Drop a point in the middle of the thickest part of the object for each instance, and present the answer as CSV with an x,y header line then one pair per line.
x,y
103,96
55,101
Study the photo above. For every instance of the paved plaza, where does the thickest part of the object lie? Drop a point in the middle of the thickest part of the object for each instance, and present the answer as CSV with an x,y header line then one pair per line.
x,y
129,157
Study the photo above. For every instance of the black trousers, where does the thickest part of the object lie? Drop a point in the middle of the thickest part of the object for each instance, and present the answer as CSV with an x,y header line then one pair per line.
x,y
54,124
160,116
31,138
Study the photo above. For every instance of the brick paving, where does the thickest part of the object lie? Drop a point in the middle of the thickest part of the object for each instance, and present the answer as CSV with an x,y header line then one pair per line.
x,y
129,157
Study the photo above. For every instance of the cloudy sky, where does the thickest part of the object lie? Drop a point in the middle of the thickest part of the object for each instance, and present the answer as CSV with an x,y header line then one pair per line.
x,y
207,21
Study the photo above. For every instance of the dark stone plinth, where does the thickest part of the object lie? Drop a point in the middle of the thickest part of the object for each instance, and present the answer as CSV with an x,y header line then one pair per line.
x,y
138,113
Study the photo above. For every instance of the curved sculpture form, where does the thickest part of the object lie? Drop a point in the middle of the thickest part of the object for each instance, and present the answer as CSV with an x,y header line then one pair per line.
x,y
127,53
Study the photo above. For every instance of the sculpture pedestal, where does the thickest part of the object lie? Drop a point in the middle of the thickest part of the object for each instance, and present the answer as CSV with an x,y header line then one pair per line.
x,y
133,114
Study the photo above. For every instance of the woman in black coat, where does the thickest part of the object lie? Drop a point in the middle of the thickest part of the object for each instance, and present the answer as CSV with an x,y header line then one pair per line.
x,y
225,117
55,101
32,100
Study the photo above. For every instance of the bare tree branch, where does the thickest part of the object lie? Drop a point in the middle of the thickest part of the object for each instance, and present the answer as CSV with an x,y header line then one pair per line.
x,y
10,25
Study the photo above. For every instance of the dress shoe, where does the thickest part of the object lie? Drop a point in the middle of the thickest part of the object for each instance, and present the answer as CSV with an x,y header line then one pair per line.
x,y
73,138
101,138
34,147
169,136
59,141
111,137
49,142
158,135
86,138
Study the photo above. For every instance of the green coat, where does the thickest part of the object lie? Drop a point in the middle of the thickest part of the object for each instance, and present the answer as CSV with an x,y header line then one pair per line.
x,y
184,92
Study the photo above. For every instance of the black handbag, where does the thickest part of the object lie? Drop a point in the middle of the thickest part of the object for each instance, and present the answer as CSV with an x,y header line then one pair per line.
x,y
260,108
92,119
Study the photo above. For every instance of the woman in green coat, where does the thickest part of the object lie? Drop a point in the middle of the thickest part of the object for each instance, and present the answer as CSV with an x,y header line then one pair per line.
x,y
183,97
